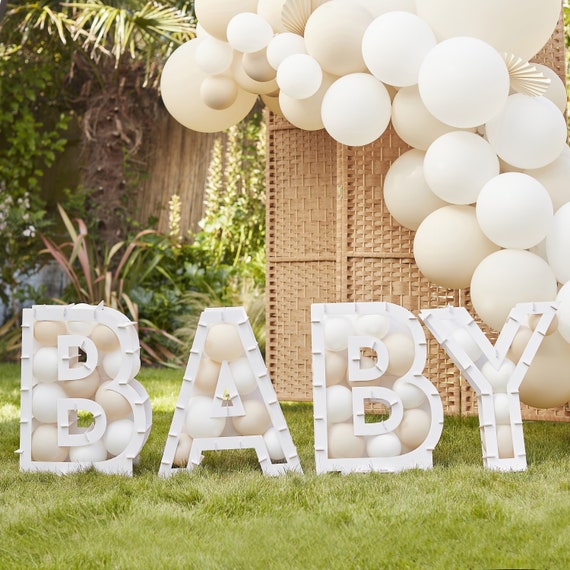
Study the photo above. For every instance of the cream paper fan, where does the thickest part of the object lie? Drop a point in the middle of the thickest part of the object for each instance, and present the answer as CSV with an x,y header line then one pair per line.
x,y
525,77
294,15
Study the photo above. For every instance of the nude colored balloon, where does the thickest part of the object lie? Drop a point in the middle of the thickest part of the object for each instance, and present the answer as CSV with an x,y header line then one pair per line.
x,y
507,277
215,15
449,245
412,121
213,56
257,67
556,91
180,84
558,244
270,10
498,23
408,197
458,164
343,443
464,82
333,36
218,91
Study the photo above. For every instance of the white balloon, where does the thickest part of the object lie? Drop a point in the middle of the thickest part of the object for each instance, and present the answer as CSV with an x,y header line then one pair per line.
x,y
498,378
337,331
44,401
465,340
282,46
384,445
458,164
343,443
563,293
394,45
199,420
45,364
556,91
529,132
339,404
411,120
497,23
273,443
514,210
213,56
91,453
449,245
407,196
299,76
373,325
464,82
306,113
411,395
44,445
554,177
118,435
248,32
507,277
558,244
379,7
243,375
502,410
563,315
414,427
356,109
214,15
333,36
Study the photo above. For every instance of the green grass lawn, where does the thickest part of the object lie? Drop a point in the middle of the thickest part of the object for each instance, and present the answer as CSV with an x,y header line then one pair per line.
x,y
226,514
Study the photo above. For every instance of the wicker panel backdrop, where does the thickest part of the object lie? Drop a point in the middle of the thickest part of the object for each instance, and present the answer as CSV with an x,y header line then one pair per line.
x,y
330,238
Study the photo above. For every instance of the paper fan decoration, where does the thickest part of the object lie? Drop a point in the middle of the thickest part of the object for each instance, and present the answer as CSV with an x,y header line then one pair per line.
x,y
294,15
525,77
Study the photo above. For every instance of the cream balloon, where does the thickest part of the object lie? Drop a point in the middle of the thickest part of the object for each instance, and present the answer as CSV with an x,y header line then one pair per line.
x,y
46,332
379,7
507,277
411,120
333,36
272,103
213,56
554,177
44,445
104,338
215,15
558,244
180,84
207,376
514,210
343,443
82,388
299,76
218,91
306,113
563,315
458,164
256,420
356,109
547,381
449,245
464,82
182,452
223,342
246,82
282,46
556,91
401,353
270,10
248,32
257,67
499,377
414,427
116,406
497,23
529,132
394,45
406,193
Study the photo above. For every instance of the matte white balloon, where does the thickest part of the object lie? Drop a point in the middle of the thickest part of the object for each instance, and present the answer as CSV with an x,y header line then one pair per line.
x,y
384,445
118,435
215,15
199,420
563,315
558,244
333,36
458,164
356,109
44,445
502,411
529,132
282,46
223,342
401,353
213,56
505,442
244,378
335,367
514,210
218,92
411,395
465,340
45,364
394,45
497,23
91,453
343,443
337,331
248,32
498,378
449,245
464,82
373,325
339,404
273,443
508,277
44,401
299,76
412,121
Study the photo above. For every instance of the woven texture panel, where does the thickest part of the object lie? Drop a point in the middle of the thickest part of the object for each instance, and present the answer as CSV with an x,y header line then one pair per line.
x,y
330,238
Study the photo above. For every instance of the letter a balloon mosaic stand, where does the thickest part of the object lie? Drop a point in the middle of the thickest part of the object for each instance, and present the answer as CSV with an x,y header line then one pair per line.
x,y
331,238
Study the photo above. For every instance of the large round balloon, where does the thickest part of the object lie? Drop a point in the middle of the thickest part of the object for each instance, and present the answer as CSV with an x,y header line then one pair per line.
x,y
554,177
458,164
558,244
521,27
394,46
333,36
180,85
449,245
306,113
270,10
215,15
406,192
282,46
514,210
508,277
529,132
547,381
299,76
411,120
356,109
248,32
464,82
556,91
